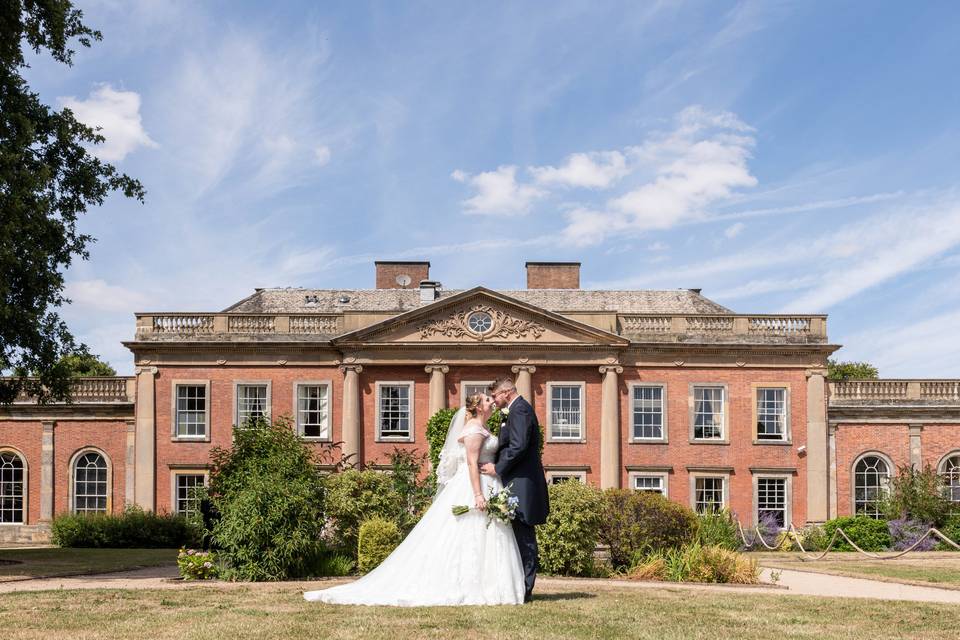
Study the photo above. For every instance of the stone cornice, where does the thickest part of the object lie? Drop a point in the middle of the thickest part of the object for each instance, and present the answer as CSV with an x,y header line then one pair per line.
x,y
903,414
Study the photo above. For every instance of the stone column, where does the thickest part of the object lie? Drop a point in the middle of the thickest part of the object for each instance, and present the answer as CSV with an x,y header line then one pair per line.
x,y
833,498
524,383
352,435
46,472
916,455
610,428
129,477
817,448
438,386
145,437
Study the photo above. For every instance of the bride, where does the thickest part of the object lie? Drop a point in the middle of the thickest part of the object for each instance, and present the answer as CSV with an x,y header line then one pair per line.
x,y
448,559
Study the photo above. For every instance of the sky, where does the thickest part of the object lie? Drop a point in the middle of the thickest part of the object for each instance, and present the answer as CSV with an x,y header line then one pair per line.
x,y
785,157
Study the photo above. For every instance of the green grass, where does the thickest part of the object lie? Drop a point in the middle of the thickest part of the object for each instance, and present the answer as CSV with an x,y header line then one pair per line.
x,y
931,569
569,611
39,563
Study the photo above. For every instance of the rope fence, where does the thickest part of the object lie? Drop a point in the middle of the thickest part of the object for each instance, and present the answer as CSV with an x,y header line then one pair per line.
x,y
795,539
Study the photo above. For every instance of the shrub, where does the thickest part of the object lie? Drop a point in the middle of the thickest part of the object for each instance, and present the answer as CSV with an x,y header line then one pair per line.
x,y
638,522
134,528
269,494
718,529
917,494
904,533
867,533
697,563
952,530
416,491
814,538
353,496
197,565
329,564
569,537
378,538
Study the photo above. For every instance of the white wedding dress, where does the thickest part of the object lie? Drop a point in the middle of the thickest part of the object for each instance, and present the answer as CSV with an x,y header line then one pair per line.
x,y
446,559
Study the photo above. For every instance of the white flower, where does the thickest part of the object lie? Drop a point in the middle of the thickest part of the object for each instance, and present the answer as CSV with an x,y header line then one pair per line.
x,y
505,412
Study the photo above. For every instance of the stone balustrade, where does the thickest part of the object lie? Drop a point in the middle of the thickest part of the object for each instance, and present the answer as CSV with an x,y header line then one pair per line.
x,y
726,327
191,325
859,392
93,390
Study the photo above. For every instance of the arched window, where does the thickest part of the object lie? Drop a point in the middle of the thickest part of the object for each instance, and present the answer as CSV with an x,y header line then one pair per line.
x,y
950,470
90,485
871,480
11,488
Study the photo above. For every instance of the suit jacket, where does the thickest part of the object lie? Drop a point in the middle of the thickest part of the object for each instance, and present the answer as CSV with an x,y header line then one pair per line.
x,y
518,462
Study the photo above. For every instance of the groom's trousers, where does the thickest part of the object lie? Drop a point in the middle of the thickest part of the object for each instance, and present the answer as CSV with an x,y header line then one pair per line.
x,y
529,555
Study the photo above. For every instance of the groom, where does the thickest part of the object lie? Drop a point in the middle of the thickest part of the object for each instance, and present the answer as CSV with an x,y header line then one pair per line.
x,y
518,462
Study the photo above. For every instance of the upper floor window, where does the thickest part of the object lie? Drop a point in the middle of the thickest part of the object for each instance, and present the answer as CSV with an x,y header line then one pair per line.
x,y
90,484
950,470
771,414
252,403
191,411
395,410
871,480
708,410
566,411
11,488
648,412
313,410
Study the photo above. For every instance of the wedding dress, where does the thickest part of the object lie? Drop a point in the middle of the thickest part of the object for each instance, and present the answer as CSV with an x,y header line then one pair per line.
x,y
446,559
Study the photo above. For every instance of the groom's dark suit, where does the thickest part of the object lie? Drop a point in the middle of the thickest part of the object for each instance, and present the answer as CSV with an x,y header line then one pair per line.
x,y
518,462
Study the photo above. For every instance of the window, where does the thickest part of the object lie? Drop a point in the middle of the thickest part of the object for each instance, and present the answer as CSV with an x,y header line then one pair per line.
x,y
708,494
871,478
313,411
559,477
650,483
395,410
708,413
191,411
771,414
252,403
950,470
90,483
468,389
772,500
186,500
11,488
648,413
566,411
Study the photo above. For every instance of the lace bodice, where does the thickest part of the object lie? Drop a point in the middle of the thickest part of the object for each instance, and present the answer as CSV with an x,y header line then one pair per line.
x,y
488,451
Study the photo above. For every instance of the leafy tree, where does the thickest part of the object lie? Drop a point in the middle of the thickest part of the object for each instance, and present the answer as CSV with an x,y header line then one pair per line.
x,y
48,177
81,364
837,370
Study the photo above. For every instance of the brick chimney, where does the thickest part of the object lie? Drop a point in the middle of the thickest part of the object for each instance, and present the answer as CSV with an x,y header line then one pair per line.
x,y
553,275
401,275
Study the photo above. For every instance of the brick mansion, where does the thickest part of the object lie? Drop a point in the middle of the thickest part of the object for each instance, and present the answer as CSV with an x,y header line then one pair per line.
x,y
663,391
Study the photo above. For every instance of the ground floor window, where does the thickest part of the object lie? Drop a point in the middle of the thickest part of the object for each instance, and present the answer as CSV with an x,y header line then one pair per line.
x,y
772,500
187,501
950,470
649,483
90,483
11,488
871,479
708,494
559,477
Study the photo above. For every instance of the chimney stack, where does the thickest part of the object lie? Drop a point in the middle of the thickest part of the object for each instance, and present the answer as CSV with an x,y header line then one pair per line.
x,y
553,275
401,274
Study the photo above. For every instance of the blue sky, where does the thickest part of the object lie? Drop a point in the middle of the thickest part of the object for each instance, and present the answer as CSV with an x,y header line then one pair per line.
x,y
783,157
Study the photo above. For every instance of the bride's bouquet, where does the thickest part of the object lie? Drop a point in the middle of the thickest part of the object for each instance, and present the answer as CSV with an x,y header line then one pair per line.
x,y
501,505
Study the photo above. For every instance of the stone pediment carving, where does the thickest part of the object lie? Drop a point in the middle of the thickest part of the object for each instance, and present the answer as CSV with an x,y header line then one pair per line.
x,y
481,322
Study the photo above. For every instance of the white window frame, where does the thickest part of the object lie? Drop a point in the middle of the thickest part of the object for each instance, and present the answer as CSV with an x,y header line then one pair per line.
x,y
174,488
787,495
412,421
853,476
72,484
662,475
582,437
942,471
557,473
724,417
268,410
471,383
694,475
664,438
787,436
174,386
328,428
24,488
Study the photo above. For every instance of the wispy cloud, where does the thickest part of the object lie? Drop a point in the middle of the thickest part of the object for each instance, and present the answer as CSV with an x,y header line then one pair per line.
x,y
117,114
734,230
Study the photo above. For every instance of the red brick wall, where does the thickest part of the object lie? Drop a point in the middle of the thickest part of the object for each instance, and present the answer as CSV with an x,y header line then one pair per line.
x,y
25,438
572,453
71,436
553,276
937,440
387,274
852,441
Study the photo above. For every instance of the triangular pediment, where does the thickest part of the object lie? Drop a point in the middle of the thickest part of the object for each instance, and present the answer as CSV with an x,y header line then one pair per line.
x,y
480,316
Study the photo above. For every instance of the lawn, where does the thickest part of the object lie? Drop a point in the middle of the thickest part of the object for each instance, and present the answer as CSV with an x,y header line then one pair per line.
x,y
39,563
568,611
928,568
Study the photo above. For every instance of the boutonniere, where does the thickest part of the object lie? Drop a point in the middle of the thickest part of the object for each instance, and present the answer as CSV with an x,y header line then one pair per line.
x,y
505,412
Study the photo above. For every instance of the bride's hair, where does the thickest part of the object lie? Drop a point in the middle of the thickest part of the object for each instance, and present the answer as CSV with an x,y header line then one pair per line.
x,y
473,404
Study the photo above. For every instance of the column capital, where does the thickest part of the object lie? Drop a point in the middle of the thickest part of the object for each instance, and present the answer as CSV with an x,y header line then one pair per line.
x,y
611,368
915,427
49,426
150,370
816,372
441,368
529,368
355,368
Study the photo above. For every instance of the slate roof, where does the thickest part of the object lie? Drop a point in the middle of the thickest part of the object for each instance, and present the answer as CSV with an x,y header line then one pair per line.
x,y
297,300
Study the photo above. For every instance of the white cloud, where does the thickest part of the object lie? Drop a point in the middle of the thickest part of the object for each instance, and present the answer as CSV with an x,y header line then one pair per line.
x,y
97,295
913,349
322,155
658,246
734,230
597,170
498,192
117,113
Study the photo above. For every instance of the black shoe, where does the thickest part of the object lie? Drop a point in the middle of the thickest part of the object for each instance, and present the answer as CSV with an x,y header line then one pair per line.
x,y
527,597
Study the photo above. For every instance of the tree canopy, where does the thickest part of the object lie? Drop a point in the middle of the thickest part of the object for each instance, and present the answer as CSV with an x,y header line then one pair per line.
x,y
48,177
837,370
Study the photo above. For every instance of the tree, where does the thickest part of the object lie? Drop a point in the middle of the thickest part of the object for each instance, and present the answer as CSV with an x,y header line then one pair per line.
x,y
851,370
48,177
85,364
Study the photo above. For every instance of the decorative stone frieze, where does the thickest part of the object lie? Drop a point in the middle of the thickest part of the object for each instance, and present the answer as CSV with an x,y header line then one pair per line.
x,y
496,324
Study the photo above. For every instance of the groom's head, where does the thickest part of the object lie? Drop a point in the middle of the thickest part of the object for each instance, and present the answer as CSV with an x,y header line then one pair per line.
x,y
502,391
